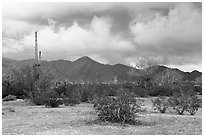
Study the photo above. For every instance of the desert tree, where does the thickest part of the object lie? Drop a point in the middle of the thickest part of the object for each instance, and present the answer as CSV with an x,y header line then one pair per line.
x,y
168,76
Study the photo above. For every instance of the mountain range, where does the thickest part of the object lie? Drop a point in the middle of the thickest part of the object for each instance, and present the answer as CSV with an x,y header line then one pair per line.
x,y
89,70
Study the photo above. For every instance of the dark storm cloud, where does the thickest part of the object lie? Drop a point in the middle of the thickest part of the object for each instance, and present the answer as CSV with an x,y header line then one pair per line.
x,y
38,13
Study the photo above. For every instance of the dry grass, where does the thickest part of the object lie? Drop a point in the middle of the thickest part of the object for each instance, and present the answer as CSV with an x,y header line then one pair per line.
x,y
81,119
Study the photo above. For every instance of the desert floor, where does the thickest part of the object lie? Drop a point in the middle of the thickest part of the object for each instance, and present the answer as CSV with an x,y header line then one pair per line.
x,y
81,120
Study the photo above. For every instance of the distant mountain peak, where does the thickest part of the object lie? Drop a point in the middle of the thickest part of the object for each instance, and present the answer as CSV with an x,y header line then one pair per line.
x,y
84,59
195,71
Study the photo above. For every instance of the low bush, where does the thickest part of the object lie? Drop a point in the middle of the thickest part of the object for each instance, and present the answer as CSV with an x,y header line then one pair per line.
x,y
9,98
6,86
53,102
180,103
38,97
161,103
193,105
185,103
123,107
70,93
85,96
52,99
73,95
49,98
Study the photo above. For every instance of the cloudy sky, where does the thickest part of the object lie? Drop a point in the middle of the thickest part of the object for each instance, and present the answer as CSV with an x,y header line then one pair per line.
x,y
127,33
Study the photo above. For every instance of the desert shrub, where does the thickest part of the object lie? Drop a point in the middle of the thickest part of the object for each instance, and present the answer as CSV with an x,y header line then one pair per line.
x,y
161,103
185,103
145,82
69,92
120,108
99,89
6,85
53,102
86,94
13,88
52,99
60,87
96,101
72,94
193,104
136,89
109,89
9,98
184,100
89,91
24,82
180,104
38,97
12,84
48,97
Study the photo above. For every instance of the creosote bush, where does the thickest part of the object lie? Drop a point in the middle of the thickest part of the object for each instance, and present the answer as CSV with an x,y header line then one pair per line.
x,y
124,107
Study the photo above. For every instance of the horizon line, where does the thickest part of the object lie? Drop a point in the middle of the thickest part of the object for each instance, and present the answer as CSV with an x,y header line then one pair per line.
x,y
105,64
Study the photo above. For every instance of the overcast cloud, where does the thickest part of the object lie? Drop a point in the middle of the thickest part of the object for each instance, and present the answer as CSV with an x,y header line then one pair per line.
x,y
167,33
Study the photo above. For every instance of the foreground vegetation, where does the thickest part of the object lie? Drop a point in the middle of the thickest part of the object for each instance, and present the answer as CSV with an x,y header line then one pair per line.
x,y
112,102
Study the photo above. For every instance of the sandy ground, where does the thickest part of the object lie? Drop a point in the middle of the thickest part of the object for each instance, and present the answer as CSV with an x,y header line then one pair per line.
x,y
81,120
